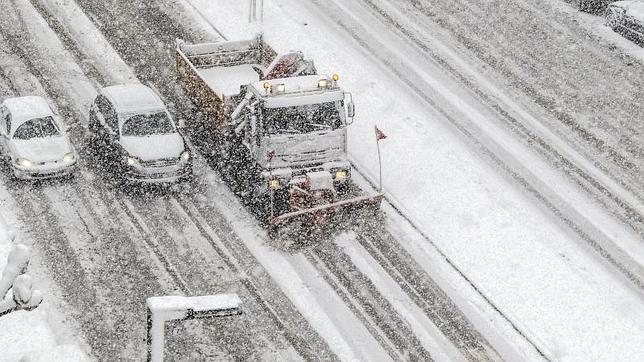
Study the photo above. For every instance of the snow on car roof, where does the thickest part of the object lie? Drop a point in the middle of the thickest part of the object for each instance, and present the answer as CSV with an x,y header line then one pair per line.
x,y
25,108
133,98
633,8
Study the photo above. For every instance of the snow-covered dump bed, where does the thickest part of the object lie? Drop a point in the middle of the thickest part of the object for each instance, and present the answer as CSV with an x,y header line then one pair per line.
x,y
212,73
226,81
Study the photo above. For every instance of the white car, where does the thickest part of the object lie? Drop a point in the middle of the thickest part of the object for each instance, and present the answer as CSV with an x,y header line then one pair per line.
x,y
627,17
34,140
133,129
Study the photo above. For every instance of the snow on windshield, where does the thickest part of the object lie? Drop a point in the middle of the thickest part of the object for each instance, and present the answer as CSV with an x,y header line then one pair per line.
x,y
147,124
303,119
37,128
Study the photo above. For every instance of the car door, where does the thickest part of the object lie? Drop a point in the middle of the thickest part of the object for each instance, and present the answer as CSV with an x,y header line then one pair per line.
x,y
105,124
5,124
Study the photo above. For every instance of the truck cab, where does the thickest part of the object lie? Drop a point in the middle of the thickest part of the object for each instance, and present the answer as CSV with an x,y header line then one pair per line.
x,y
294,126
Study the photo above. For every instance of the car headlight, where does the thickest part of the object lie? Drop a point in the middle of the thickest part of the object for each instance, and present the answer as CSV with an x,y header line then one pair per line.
x,y
274,184
185,155
70,157
340,175
24,162
132,161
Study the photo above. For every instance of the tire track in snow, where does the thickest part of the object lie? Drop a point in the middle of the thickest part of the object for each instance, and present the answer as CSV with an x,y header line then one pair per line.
x,y
364,300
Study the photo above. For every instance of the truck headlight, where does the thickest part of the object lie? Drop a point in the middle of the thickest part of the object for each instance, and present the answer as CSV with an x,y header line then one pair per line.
x,y
70,157
340,175
185,155
274,184
132,161
24,162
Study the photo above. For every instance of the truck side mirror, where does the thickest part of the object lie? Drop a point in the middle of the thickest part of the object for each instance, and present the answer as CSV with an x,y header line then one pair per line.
x,y
259,71
351,110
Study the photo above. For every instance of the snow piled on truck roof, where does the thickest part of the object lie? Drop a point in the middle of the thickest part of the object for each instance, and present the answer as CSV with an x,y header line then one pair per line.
x,y
297,91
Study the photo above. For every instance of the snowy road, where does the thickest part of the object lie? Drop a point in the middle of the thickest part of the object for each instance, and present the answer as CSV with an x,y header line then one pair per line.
x,y
467,265
176,237
524,258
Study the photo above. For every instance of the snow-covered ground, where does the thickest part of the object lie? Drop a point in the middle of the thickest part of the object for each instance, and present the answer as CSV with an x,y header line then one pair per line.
x,y
28,335
526,262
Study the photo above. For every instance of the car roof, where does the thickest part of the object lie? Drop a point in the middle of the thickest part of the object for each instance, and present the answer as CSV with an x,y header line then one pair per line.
x,y
633,8
133,98
25,108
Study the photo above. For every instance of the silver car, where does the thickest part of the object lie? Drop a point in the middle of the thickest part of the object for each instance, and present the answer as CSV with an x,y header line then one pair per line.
x,y
627,18
132,129
34,140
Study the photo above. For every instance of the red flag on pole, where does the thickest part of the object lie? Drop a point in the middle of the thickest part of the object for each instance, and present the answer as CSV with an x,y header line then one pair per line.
x,y
379,134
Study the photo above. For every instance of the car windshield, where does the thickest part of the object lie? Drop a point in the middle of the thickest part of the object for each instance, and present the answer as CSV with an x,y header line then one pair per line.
x,y
147,124
37,128
302,119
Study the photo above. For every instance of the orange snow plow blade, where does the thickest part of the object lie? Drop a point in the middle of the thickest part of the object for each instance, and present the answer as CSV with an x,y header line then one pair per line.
x,y
327,209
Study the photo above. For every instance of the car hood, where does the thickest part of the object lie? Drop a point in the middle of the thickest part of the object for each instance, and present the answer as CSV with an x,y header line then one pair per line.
x,y
154,147
45,149
633,8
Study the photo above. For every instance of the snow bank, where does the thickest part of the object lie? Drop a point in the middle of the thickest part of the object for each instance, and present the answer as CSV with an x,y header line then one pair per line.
x,y
26,336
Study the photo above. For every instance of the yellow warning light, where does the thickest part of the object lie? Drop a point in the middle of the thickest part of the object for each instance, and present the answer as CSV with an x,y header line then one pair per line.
x,y
274,184
335,77
267,85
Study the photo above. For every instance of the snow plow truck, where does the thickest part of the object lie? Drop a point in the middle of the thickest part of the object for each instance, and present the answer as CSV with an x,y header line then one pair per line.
x,y
274,118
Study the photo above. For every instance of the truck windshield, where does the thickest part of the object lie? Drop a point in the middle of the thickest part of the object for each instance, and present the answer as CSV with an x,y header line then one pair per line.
x,y
147,124
302,119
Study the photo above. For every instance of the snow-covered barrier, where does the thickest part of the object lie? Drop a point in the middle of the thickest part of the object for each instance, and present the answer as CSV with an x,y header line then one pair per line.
x,y
168,308
14,279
